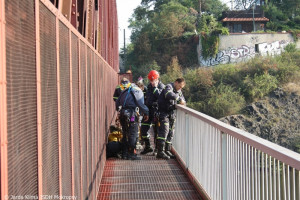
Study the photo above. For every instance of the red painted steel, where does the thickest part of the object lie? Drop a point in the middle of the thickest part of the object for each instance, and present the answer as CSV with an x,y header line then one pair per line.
x,y
39,99
104,16
58,107
3,105
74,13
71,111
21,96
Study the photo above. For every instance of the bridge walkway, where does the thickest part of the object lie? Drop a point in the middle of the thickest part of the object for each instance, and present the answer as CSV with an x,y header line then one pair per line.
x,y
149,178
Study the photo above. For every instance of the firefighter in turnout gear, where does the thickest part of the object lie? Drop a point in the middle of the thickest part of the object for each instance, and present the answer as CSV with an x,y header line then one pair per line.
x,y
153,90
124,84
170,96
130,103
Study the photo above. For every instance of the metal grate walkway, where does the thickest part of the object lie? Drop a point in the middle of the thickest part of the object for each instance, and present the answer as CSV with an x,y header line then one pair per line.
x,y
148,178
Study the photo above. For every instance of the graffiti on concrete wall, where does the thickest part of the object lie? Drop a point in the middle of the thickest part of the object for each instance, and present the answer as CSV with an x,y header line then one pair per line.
x,y
274,48
244,53
231,55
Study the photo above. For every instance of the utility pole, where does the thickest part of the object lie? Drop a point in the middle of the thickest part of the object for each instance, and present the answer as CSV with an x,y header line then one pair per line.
x,y
124,62
200,7
253,18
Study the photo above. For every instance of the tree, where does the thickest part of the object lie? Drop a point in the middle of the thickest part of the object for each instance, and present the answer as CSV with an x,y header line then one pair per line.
x,y
162,29
245,4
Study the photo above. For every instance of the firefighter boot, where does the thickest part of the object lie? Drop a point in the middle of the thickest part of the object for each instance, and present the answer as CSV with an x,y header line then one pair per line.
x,y
168,150
132,155
161,151
155,150
147,148
124,152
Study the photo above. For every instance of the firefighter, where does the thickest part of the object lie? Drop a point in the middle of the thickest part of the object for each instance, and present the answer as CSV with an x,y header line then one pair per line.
x,y
130,103
153,90
125,83
140,84
170,96
113,147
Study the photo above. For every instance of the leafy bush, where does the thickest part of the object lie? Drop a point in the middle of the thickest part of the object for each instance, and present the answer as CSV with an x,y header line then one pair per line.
x,y
259,86
199,82
296,34
199,105
174,71
290,48
288,73
258,66
228,74
224,100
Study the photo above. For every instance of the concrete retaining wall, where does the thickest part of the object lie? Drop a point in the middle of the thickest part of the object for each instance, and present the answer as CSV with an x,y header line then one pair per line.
x,y
236,48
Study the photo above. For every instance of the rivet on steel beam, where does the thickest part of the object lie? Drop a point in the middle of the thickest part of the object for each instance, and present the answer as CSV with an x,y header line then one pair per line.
x,y
73,13
66,15
73,4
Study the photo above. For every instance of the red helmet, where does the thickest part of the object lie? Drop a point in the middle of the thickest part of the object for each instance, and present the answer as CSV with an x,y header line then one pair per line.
x,y
153,74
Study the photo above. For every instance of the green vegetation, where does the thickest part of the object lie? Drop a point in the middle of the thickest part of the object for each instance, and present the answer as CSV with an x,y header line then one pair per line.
x,y
226,89
284,15
165,35
164,29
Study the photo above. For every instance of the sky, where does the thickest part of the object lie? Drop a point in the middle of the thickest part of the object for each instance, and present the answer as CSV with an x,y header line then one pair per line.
x,y
125,10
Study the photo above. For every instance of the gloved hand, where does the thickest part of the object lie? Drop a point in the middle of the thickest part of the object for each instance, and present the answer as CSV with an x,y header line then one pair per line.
x,y
182,102
146,117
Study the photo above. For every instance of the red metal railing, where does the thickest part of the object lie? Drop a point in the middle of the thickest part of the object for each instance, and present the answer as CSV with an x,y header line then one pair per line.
x,y
56,104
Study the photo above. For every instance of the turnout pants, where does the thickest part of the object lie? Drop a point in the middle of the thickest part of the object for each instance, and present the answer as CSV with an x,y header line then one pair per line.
x,y
130,132
166,128
145,126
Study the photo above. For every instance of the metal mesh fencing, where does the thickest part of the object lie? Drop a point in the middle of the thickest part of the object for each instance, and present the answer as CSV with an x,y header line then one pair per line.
x,y
49,102
65,110
56,95
21,98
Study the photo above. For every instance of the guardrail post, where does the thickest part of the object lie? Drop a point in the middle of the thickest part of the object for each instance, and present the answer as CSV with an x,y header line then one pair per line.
x,y
224,166
187,139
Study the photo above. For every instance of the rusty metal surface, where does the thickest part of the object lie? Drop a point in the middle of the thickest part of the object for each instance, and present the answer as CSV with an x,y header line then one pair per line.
x,y
148,178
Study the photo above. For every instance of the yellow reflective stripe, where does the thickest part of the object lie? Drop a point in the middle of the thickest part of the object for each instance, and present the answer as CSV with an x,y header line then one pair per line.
x,y
145,137
166,123
115,97
168,142
122,87
177,98
154,90
167,93
161,138
145,124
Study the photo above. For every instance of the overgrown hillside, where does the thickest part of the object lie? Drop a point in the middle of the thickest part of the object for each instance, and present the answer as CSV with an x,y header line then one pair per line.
x,y
163,29
227,89
275,118
241,90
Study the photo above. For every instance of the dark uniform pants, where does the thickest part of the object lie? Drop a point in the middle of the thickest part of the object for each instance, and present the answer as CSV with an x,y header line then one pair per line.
x,y
130,132
166,128
145,125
